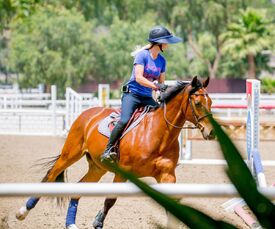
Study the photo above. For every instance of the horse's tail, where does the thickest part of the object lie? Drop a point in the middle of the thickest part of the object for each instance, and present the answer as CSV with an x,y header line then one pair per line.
x,y
48,164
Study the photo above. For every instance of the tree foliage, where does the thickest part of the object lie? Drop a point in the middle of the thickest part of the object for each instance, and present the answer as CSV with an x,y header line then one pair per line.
x,y
247,37
6,13
195,18
52,47
68,42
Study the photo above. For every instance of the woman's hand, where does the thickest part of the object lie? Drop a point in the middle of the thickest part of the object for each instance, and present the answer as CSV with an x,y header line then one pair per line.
x,y
139,69
161,86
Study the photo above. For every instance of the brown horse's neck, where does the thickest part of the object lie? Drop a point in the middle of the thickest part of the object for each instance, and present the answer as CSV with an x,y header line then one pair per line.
x,y
174,113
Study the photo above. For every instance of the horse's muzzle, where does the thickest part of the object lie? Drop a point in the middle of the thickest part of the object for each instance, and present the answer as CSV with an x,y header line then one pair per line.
x,y
207,132
211,135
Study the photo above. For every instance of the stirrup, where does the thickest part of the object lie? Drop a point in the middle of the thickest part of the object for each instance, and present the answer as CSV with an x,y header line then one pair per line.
x,y
109,156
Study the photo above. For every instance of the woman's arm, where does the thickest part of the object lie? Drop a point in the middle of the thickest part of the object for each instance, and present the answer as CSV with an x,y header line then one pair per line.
x,y
162,77
139,69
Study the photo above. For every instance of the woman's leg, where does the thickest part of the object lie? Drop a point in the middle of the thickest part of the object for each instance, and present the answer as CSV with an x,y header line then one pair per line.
x,y
149,101
128,106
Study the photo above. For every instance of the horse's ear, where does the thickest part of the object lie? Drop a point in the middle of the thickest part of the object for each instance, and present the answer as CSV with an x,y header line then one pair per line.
x,y
206,82
194,81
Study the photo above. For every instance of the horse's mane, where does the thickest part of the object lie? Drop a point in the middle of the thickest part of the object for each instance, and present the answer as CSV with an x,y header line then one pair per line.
x,y
172,91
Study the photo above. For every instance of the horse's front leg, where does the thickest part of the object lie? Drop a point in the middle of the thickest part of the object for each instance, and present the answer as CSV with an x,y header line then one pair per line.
x,y
166,178
167,175
166,170
108,204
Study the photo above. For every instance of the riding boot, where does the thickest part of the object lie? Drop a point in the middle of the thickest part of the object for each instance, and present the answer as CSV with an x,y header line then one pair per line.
x,y
109,154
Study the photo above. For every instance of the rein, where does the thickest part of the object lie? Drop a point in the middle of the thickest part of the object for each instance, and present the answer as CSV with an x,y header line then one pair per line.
x,y
197,119
175,126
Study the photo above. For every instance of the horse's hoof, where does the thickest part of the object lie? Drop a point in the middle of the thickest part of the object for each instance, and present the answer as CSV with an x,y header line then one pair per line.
x,y
97,224
72,226
99,219
22,213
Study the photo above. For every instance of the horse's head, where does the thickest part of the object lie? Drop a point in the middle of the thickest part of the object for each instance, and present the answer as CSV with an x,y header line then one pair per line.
x,y
199,107
195,105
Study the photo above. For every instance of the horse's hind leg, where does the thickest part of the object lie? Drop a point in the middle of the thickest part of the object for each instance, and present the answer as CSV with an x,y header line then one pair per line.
x,y
71,152
93,175
108,203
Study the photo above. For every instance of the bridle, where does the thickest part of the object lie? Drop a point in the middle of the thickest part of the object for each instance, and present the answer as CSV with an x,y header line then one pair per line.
x,y
196,118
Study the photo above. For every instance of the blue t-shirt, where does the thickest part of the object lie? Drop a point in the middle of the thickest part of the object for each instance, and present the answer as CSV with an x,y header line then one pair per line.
x,y
152,70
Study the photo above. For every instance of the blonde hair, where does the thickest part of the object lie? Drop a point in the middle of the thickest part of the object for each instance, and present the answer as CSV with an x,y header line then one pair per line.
x,y
138,48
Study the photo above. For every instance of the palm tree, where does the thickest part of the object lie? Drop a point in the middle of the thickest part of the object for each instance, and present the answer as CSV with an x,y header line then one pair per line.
x,y
247,37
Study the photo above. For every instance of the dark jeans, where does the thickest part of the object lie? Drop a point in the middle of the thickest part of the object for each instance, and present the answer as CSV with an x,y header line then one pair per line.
x,y
130,102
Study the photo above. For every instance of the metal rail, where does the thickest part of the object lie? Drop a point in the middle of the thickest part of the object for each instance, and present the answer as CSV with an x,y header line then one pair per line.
x,y
120,190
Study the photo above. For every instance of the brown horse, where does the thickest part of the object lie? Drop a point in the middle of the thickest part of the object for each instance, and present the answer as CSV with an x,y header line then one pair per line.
x,y
150,149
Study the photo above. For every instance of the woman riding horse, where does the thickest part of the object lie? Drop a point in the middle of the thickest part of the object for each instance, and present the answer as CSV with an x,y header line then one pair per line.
x,y
149,66
151,149
150,153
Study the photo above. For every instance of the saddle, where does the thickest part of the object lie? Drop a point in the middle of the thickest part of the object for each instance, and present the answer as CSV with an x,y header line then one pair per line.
x,y
107,124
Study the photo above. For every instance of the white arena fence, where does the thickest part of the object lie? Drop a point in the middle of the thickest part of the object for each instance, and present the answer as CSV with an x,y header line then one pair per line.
x,y
44,114
121,190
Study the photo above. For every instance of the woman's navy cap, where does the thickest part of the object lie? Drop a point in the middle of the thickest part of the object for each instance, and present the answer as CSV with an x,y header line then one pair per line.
x,y
160,34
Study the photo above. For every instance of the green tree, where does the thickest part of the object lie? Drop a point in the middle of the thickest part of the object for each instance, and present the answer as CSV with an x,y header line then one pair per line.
x,y
7,11
209,58
52,46
15,8
195,18
247,37
105,11
108,30
198,20
177,62
11,10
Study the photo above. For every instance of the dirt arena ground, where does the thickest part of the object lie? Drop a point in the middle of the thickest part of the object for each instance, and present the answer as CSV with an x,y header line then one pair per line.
x,y
18,153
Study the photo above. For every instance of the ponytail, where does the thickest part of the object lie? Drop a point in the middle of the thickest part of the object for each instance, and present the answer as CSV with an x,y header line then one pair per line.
x,y
138,48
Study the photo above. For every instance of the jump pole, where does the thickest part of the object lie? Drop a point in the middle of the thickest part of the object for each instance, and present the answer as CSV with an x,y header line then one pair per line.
x,y
253,88
252,148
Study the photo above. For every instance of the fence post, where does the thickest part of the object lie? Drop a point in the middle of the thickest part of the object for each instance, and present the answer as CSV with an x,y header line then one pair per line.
x,y
67,109
53,96
185,146
73,106
104,94
5,102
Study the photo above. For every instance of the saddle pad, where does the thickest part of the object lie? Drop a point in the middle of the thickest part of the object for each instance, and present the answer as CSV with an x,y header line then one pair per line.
x,y
103,126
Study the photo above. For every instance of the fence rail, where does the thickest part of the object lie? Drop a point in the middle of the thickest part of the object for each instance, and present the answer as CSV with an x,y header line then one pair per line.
x,y
121,190
33,122
42,113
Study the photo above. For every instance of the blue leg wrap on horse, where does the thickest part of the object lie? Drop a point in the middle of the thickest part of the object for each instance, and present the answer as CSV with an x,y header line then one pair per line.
x,y
71,214
31,203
